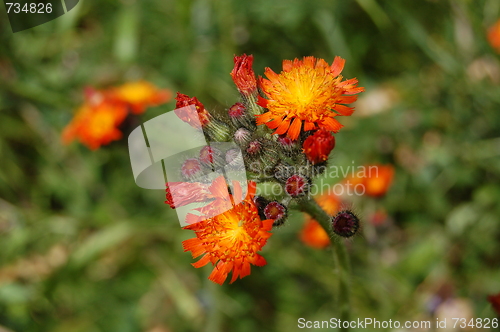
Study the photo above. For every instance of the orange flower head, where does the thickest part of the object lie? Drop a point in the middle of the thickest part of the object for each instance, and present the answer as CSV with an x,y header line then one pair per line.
x,y
376,179
141,94
318,146
193,116
231,240
494,36
308,92
96,125
243,75
312,233
330,203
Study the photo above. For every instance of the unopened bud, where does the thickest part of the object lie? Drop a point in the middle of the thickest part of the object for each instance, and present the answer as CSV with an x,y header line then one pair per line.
x,y
345,223
297,185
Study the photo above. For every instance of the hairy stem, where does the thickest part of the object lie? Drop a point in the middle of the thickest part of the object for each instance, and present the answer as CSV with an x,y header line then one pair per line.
x,y
341,259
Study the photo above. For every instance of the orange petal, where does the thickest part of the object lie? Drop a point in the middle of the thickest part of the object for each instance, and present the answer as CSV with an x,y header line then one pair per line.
x,y
202,262
344,110
263,118
337,66
294,130
309,125
283,127
331,124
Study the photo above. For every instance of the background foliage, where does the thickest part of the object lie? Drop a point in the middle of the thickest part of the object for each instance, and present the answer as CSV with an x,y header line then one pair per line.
x,y
84,249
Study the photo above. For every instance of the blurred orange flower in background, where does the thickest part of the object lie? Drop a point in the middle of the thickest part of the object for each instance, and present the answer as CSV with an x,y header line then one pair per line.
x,y
312,233
141,94
97,120
494,36
375,179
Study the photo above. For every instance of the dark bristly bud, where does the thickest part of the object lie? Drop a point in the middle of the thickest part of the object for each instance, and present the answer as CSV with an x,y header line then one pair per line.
x,y
297,185
345,223
276,211
191,169
242,136
318,146
261,202
254,148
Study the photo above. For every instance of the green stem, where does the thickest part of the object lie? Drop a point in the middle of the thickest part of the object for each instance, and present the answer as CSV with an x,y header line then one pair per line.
x,y
341,259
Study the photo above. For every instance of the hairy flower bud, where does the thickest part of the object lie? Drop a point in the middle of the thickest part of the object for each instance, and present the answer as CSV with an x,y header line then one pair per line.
x,y
210,156
243,75
345,223
261,202
254,148
191,169
196,116
297,185
318,146
276,211
218,131
242,136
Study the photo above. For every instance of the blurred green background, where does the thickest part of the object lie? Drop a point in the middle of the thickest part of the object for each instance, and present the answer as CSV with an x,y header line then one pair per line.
x,y
82,248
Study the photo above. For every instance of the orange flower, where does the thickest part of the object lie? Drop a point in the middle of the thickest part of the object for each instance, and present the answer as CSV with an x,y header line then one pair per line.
x,y
141,94
318,146
243,75
193,116
375,179
230,240
312,233
308,92
494,36
96,122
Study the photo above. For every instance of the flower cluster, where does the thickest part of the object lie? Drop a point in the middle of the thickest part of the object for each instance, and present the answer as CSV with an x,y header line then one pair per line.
x,y
97,121
283,129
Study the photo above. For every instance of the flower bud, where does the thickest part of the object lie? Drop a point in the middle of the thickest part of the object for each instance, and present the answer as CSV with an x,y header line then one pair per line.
x,y
191,169
242,136
276,211
318,146
210,156
218,131
195,117
345,223
244,76
261,202
297,185
254,148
